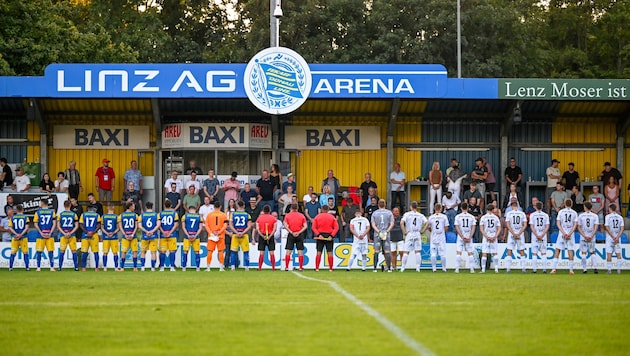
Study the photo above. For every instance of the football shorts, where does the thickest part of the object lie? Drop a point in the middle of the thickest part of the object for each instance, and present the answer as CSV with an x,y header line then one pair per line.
x,y
438,248
40,244
148,245
360,248
414,244
132,244
297,242
242,242
587,246
19,244
562,244
489,247
539,246
65,241
612,247
515,244
110,245
465,246
168,244
397,246
195,244
89,243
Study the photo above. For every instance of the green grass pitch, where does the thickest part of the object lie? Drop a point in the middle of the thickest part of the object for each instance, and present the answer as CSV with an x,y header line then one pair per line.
x,y
278,313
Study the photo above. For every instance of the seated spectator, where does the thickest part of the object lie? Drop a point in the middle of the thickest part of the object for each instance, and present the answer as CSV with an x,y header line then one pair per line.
x,y
578,199
46,185
450,202
248,193
61,184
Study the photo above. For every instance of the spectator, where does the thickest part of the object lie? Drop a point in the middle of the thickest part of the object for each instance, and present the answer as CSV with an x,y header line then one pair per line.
x,y
194,182
571,177
174,179
266,188
230,208
611,191
134,175
175,197
206,208
211,186
471,192
231,188
21,183
105,181
454,179
74,180
6,176
192,167
332,182
294,200
578,199
450,202
191,199
77,209
276,178
326,193
491,180
370,195
397,178
307,197
285,200
513,193
370,209
479,175
4,226
311,209
504,230
347,214
597,201
558,198
365,187
94,204
290,182
253,209
435,186
46,185
609,171
10,204
513,175
61,184
553,177
131,195
532,208
454,165
248,193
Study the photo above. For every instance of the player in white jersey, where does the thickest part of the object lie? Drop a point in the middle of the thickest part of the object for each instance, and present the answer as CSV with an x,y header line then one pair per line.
x,y
588,223
539,225
359,228
438,224
412,225
614,224
516,224
490,227
465,225
567,223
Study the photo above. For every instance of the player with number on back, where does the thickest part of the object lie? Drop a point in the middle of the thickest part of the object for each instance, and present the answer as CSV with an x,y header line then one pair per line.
x,y
216,223
68,226
465,225
516,225
109,231
18,226
150,225
588,223
567,223
614,228
382,223
539,224
490,227
192,227
44,220
240,227
438,224
128,224
359,228
169,228
90,224
412,224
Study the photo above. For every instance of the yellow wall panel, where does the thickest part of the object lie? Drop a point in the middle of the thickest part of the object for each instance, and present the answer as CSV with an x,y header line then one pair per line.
x,y
571,130
349,167
587,163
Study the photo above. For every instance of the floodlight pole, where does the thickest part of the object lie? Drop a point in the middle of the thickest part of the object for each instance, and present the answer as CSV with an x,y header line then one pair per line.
x,y
459,40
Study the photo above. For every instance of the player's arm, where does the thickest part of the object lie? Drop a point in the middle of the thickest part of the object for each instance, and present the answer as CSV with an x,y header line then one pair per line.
x,y
314,227
158,224
391,225
459,232
523,226
472,231
76,227
374,228
403,227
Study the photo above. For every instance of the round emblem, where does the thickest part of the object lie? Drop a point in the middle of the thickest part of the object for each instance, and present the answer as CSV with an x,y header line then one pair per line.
x,y
277,80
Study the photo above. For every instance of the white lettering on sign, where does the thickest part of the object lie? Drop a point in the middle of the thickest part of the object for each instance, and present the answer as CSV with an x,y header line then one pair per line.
x,y
219,134
364,86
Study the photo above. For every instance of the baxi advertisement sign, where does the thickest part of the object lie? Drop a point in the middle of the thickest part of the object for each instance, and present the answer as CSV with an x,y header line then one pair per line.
x,y
101,137
332,137
217,135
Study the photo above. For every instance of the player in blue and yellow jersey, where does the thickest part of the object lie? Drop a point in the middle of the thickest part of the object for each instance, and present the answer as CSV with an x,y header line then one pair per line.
x,y
90,223
192,227
128,224
150,225
240,226
109,231
169,227
45,224
18,226
67,221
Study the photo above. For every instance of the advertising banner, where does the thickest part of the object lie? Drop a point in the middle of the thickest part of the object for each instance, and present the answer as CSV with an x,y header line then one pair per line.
x,y
216,135
30,201
342,253
101,137
332,137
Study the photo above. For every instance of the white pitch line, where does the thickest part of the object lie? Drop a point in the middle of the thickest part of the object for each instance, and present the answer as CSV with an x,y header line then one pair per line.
x,y
393,328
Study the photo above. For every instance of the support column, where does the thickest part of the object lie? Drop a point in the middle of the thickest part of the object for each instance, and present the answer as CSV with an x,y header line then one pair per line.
x,y
391,126
157,176
504,165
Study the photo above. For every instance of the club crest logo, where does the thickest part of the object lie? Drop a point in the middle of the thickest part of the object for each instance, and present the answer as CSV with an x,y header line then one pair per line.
x,y
277,80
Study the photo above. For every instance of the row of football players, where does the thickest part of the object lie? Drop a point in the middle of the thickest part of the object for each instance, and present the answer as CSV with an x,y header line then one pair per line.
x,y
413,224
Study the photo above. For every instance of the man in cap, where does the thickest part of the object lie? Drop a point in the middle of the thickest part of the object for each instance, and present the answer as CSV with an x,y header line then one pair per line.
x,y
22,182
105,181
